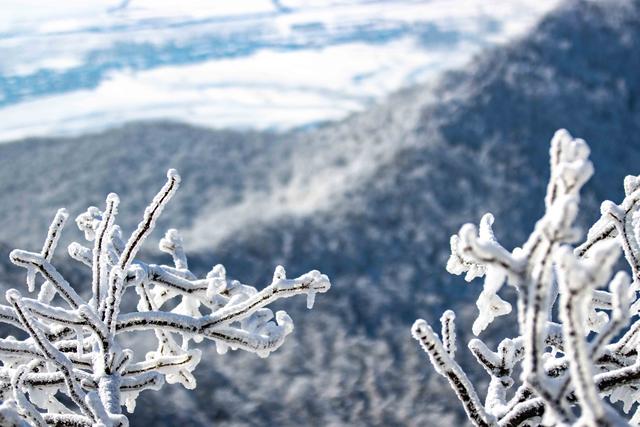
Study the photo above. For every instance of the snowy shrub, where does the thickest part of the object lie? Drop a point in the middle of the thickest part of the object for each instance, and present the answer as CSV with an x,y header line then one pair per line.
x,y
578,338
70,367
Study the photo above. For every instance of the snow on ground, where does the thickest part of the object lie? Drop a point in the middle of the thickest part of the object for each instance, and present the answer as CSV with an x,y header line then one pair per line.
x,y
81,66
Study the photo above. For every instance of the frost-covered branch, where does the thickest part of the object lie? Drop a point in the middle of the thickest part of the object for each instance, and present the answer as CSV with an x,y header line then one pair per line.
x,y
576,344
446,366
74,345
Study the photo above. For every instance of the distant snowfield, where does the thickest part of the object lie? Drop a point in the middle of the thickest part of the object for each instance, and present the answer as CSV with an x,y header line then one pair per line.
x,y
79,66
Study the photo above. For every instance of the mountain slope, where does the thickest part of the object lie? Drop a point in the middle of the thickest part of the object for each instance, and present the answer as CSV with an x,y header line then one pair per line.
x,y
479,144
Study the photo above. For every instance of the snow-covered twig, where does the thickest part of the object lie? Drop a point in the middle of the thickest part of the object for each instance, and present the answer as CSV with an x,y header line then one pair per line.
x,y
567,368
75,348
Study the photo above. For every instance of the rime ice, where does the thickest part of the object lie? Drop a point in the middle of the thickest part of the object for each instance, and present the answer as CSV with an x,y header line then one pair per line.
x,y
74,348
571,364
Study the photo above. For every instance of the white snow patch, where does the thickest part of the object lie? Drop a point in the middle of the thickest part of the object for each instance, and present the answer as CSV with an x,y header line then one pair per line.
x,y
269,87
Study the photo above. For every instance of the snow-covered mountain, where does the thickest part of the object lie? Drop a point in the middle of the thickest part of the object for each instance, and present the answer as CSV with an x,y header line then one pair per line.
x,y
371,201
72,67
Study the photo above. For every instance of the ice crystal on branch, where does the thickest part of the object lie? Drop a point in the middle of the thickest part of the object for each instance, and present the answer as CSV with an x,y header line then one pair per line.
x,y
577,347
73,346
